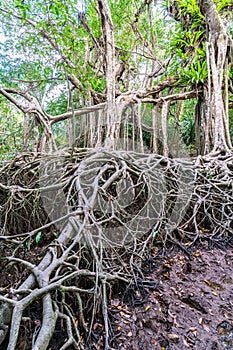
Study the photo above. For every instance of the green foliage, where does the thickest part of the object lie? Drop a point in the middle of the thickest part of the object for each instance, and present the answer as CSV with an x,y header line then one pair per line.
x,y
191,9
60,133
38,237
187,122
98,84
57,105
146,38
188,42
11,131
194,74
223,4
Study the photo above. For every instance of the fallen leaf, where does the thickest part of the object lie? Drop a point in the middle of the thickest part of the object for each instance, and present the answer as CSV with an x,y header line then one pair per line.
x,y
115,302
96,325
185,343
170,314
167,265
206,328
22,344
124,314
147,307
119,328
192,329
173,336
207,282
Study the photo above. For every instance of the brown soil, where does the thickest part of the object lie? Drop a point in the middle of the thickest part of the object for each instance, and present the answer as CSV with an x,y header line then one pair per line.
x,y
184,302
191,308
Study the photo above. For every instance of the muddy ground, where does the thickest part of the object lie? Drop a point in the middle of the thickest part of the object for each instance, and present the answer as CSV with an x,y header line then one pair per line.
x,y
183,302
189,307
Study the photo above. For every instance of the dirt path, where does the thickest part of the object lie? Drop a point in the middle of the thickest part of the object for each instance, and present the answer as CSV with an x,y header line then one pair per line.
x,y
188,304
191,309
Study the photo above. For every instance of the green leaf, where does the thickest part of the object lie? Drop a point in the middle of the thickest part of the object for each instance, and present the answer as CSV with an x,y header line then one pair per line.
x,y
154,233
38,236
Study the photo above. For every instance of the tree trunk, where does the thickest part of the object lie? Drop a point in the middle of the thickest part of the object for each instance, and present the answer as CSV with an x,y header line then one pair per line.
x,y
217,52
109,43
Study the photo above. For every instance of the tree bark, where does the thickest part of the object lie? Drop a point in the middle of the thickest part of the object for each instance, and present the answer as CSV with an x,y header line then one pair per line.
x,y
217,51
109,43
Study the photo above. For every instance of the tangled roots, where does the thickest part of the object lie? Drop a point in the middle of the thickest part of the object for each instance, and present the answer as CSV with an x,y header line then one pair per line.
x,y
97,214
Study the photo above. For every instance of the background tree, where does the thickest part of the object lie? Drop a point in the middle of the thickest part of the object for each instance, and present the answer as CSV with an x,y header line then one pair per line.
x,y
71,50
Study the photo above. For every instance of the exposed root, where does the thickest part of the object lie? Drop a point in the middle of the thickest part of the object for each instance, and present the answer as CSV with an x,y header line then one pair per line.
x,y
101,212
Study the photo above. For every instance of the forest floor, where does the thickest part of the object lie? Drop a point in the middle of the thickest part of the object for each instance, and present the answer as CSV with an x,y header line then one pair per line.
x,y
189,306
192,308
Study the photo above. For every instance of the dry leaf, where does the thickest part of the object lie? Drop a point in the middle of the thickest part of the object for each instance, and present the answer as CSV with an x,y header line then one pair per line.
x,y
115,302
193,329
207,282
185,343
206,328
22,344
123,314
167,265
173,336
170,314
96,325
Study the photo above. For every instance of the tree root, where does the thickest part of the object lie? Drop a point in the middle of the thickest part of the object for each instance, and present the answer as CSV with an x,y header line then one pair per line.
x,y
107,210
